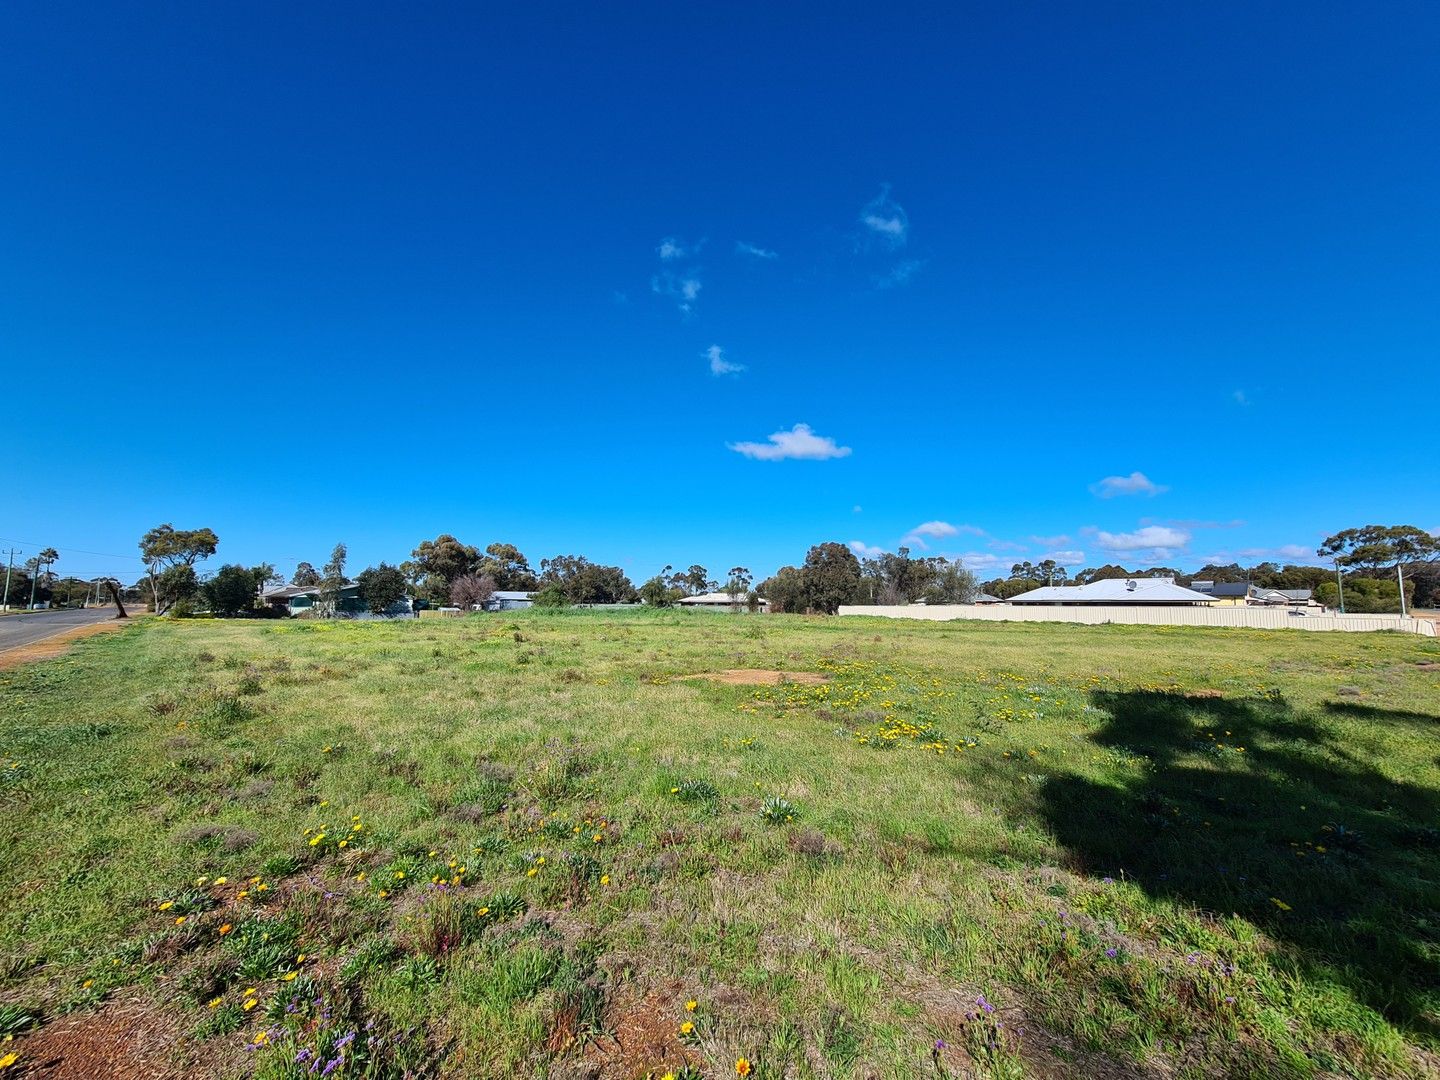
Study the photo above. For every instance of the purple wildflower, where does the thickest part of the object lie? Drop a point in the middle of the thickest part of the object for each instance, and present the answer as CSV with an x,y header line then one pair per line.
x,y
984,1005
332,1065
1111,952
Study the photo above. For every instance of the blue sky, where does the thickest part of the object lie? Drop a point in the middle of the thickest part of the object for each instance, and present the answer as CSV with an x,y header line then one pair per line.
x,y
1135,283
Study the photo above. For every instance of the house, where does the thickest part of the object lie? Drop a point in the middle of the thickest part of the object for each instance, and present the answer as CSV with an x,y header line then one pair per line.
x,y
986,598
302,599
1242,593
508,600
1161,591
719,601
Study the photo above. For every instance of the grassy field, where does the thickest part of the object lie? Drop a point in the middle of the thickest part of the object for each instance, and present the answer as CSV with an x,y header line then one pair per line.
x,y
527,845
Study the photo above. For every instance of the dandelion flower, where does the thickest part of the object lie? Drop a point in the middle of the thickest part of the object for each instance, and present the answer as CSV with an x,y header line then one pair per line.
x,y
213,1004
687,1027
250,1003
225,929
180,920
87,984
290,976
9,1059
531,872
167,905
604,879
691,1005
743,1067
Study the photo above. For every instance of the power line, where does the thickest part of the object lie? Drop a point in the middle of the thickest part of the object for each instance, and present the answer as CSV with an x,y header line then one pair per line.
x,y
77,551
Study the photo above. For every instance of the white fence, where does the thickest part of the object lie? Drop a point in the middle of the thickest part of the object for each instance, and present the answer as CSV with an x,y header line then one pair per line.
x,y
1253,617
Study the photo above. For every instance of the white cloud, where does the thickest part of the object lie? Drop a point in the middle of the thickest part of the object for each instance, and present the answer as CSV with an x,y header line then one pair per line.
x,y
719,365
1065,558
985,560
1051,541
1137,483
799,443
1284,551
671,248
885,219
743,247
683,289
1159,537
866,551
900,274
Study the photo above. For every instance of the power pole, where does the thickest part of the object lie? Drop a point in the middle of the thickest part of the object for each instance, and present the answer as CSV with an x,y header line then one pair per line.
x,y
1400,576
1340,583
5,599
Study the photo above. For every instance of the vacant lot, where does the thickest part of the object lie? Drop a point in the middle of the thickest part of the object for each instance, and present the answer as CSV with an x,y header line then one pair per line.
x,y
531,845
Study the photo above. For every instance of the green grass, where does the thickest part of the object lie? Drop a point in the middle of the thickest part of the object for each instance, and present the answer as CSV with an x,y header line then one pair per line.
x,y
501,841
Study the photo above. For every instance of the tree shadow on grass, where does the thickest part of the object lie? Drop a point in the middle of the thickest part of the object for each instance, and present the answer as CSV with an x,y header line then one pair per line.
x,y
1295,832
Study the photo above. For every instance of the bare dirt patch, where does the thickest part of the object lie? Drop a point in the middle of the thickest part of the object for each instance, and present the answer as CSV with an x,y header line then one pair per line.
x,y
645,1038
760,677
125,1040
55,645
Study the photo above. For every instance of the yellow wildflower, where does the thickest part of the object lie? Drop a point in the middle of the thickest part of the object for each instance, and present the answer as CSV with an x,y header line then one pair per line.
x,y
691,1005
687,1027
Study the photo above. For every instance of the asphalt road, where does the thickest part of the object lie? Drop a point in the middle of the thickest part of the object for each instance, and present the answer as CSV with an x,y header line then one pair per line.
x,y
16,630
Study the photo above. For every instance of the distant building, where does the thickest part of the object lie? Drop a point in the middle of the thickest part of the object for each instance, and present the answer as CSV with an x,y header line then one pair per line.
x,y
1156,591
986,598
1242,593
713,601
508,600
300,599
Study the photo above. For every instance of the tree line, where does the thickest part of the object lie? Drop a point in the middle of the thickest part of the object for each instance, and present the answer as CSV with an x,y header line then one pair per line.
x,y
447,571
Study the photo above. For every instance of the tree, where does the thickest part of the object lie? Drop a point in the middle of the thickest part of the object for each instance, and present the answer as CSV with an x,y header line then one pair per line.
x,y
39,568
381,587
582,582
952,584
785,590
1047,571
470,591
696,580
440,561
509,567
173,585
832,576
658,592
165,549
1378,549
738,584
306,575
1365,595
333,580
231,590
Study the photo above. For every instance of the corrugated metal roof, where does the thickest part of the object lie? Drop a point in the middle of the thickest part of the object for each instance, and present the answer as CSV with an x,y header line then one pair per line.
x,y
714,598
1115,591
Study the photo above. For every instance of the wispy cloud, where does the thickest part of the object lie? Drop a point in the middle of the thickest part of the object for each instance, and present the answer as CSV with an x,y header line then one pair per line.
x,y
855,509
1240,397
937,530
719,365
1137,483
866,551
899,274
985,560
885,221
1160,538
684,289
1051,541
1065,558
1284,551
799,443
744,247
670,249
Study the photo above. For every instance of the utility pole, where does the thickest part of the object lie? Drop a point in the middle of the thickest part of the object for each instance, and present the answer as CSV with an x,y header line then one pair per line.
x,y
1340,583
5,599
1400,576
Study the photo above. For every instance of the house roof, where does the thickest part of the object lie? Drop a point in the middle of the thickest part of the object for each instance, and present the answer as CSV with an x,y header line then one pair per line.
x,y
986,598
288,591
511,594
715,598
1115,591
1222,588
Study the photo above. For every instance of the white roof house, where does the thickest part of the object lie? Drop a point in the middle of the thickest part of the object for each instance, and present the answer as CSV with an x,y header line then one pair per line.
x,y
1158,590
718,600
